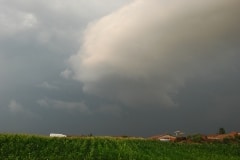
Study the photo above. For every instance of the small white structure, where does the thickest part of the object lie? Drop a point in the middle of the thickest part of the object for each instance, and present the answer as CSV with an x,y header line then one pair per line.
x,y
57,135
178,133
166,138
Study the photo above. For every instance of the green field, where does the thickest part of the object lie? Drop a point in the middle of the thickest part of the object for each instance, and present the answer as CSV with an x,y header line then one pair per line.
x,y
24,147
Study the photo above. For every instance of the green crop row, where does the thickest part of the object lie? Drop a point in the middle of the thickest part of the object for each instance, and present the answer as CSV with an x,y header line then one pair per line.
x,y
26,147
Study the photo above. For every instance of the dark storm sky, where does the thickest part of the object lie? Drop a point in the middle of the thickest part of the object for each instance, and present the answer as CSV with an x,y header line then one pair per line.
x,y
132,67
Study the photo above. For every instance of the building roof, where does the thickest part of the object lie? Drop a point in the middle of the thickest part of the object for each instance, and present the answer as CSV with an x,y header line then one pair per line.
x,y
163,136
222,136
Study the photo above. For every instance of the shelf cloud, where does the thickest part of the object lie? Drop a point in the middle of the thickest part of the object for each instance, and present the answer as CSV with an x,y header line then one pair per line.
x,y
144,53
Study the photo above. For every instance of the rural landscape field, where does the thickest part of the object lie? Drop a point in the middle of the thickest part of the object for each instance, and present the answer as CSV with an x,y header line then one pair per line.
x,y
119,79
32,147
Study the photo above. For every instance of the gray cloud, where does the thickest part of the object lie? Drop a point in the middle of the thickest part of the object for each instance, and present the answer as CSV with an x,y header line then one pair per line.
x,y
144,53
36,37
48,86
63,105
16,108
179,59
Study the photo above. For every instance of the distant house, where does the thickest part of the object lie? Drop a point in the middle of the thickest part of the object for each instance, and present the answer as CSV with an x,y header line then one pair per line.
x,y
164,138
213,137
57,135
222,136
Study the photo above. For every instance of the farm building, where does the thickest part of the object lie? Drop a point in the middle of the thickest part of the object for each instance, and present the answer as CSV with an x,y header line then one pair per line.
x,y
164,137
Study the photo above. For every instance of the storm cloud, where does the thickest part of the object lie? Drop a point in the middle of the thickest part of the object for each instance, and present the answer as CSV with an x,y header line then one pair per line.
x,y
143,54
122,67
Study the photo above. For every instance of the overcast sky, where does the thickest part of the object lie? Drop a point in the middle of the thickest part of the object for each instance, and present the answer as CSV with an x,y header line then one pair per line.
x,y
119,67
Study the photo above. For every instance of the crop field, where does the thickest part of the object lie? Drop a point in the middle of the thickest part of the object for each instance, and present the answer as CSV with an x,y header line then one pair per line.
x,y
26,147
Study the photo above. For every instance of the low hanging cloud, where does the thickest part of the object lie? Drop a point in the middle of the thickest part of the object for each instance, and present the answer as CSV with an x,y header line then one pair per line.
x,y
63,105
46,85
145,52
16,108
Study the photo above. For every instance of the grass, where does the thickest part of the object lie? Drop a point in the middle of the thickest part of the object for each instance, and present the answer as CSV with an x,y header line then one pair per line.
x,y
26,147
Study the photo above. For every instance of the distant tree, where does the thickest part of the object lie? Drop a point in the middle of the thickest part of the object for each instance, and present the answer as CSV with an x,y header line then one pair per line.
x,y
221,131
196,138
90,134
